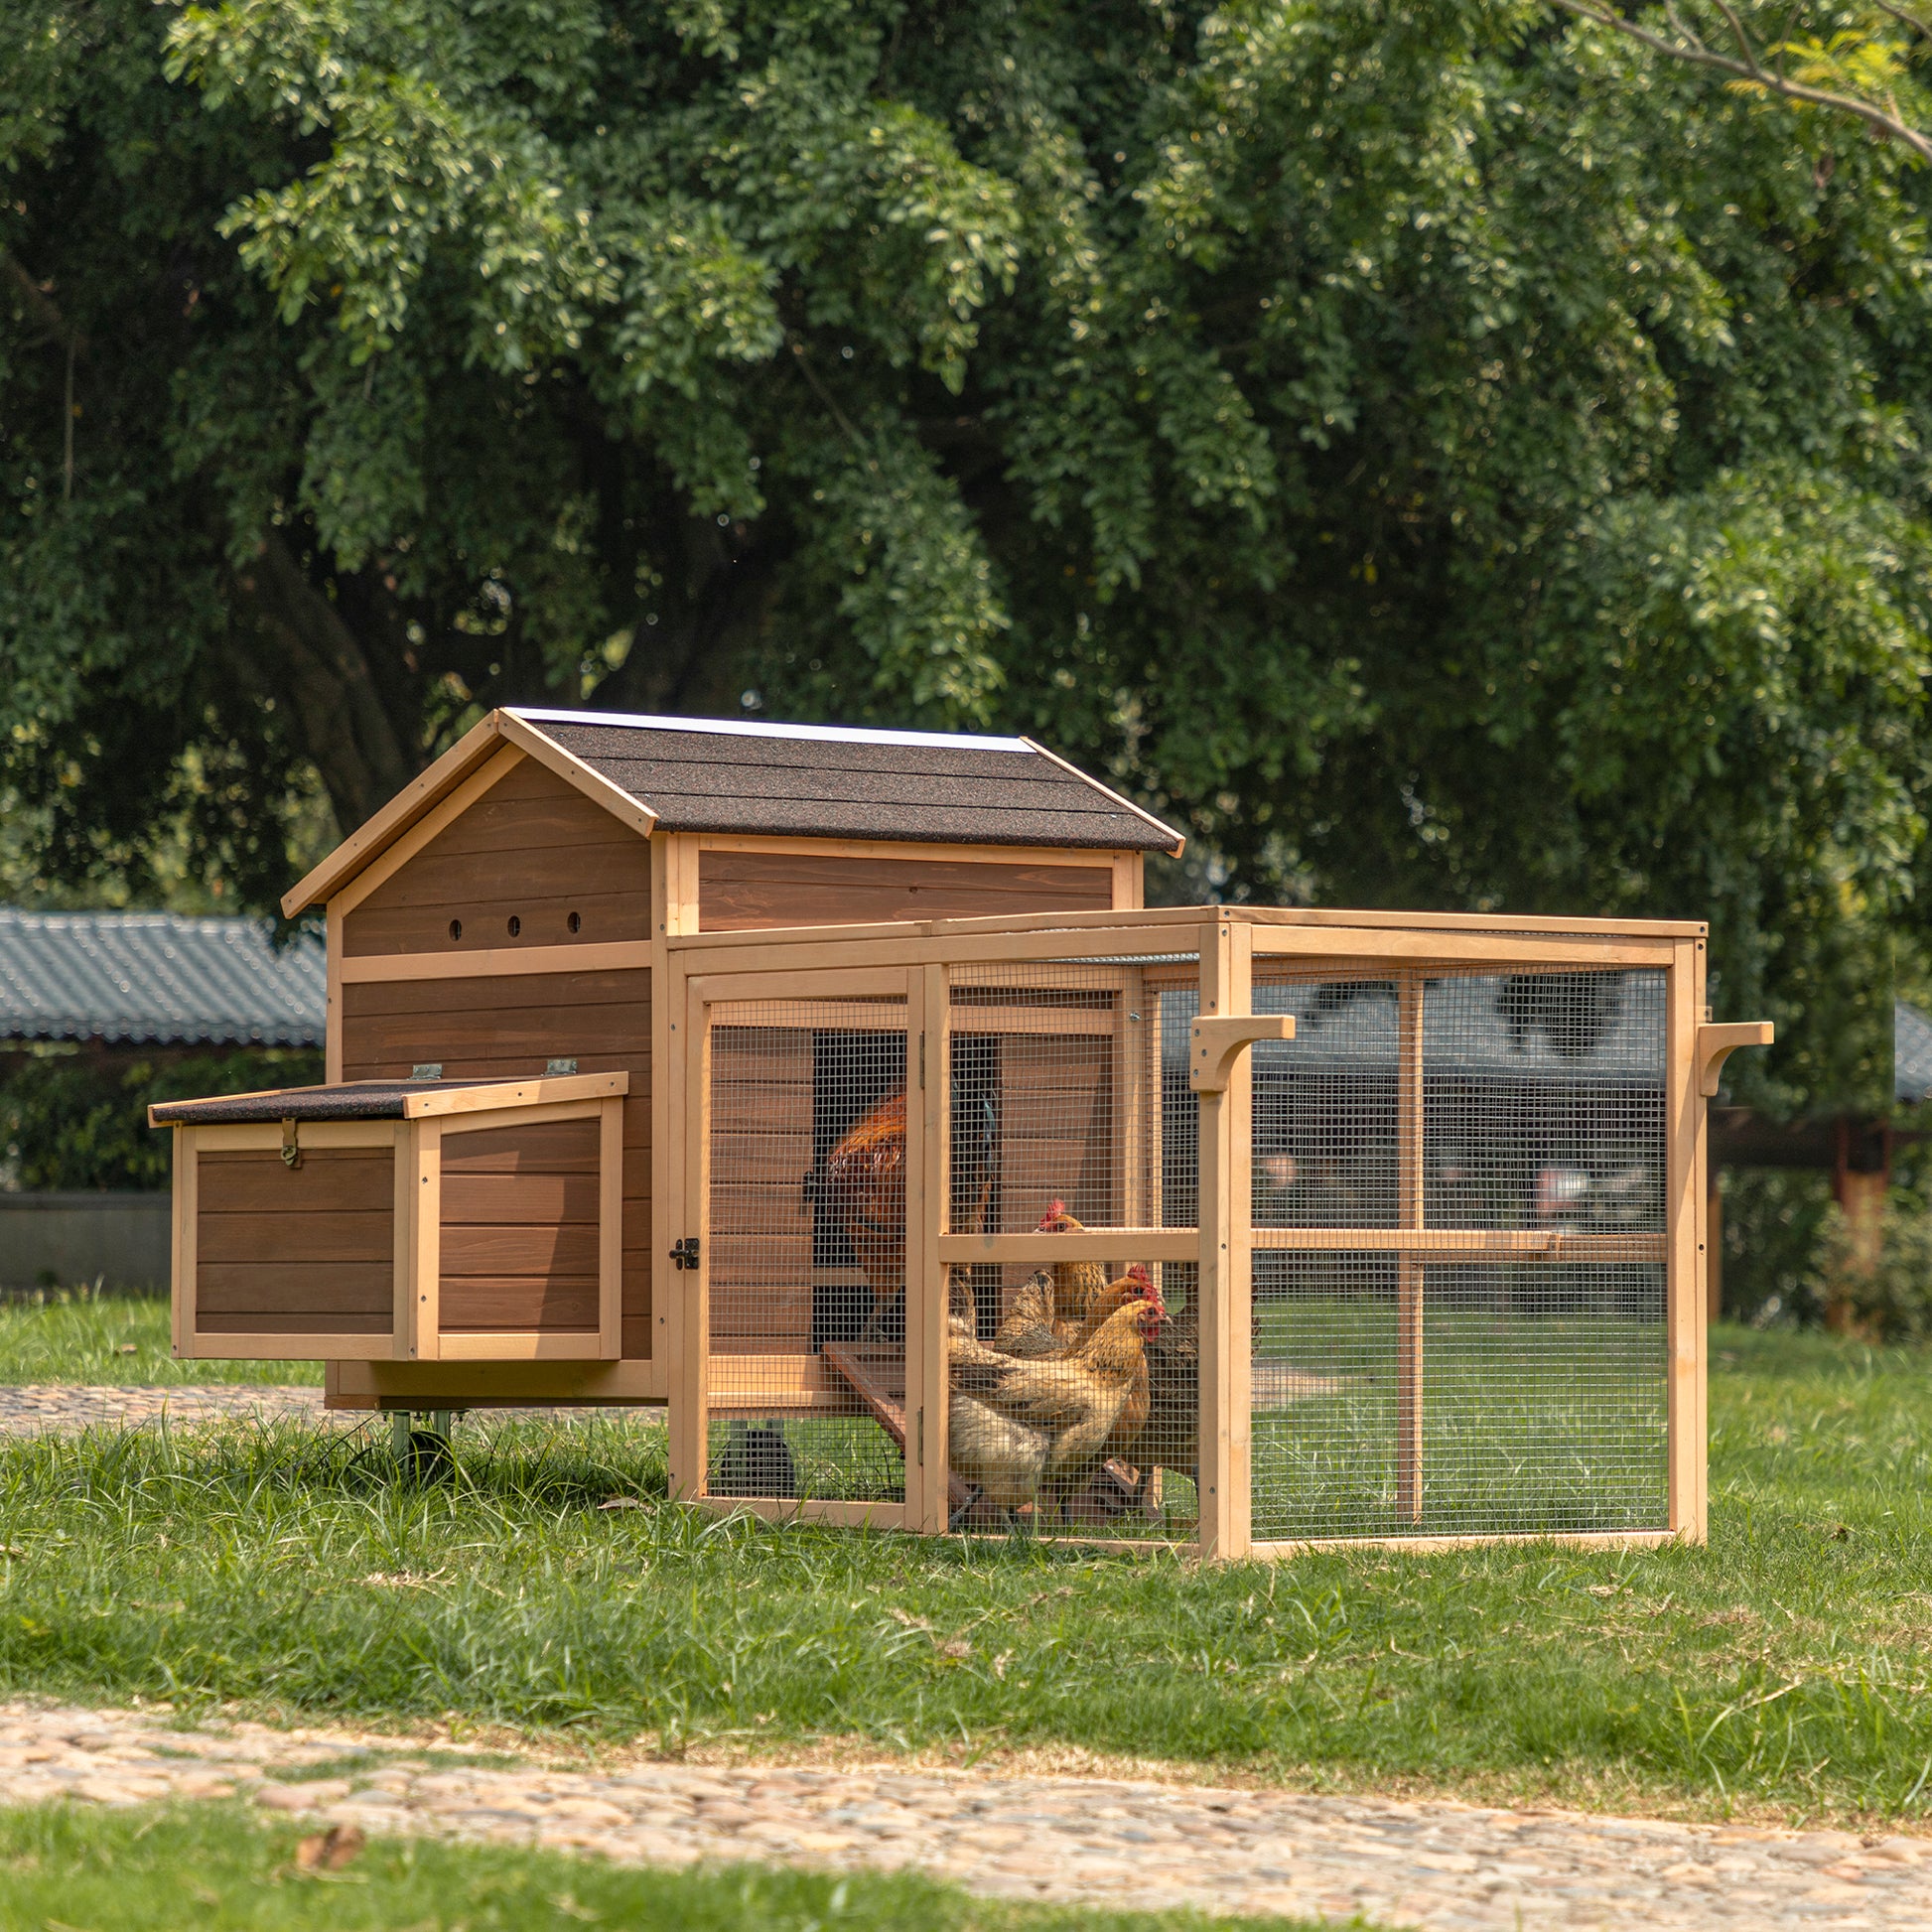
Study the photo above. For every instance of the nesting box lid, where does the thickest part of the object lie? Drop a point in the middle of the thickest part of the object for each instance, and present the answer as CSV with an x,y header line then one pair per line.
x,y
729,776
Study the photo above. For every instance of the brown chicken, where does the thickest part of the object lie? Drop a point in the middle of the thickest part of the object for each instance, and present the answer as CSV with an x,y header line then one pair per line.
x,y
1078,1398
1075,1282
1003,1459
1171,1439
861,1188
1032,1327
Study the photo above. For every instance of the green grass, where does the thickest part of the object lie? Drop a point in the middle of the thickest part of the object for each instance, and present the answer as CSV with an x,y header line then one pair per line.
x,y
75,1869
72,1335
1783,1669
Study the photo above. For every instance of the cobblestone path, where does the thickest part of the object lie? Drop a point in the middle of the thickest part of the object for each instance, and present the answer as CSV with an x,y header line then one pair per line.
x,y
1079,1840
32,1407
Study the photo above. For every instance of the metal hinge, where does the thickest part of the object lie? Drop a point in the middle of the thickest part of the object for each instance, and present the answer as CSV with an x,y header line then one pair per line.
x,y
922,1062
684,1253
291,1143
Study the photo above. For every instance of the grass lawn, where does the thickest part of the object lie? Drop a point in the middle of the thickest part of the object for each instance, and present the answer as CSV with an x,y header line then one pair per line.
x,y
71,1334
86,1870
1782,1671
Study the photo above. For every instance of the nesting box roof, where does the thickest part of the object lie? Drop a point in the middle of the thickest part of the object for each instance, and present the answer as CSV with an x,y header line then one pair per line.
x,y
706,775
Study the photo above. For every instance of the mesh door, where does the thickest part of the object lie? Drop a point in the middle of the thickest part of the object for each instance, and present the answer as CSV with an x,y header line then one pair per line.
x,y
1492,1358
1063,1120
808,1249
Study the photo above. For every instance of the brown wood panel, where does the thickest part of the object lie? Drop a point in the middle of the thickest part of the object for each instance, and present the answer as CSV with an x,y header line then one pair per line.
x,y
300,1250
738,890
509,1199
258,1181
611,986
549,1141
602,1019
314,1295
338,1235
564,1248
264,1322
531,847
519,1304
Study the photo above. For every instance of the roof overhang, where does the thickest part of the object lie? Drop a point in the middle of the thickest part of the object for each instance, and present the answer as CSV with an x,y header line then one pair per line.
x,y
423,794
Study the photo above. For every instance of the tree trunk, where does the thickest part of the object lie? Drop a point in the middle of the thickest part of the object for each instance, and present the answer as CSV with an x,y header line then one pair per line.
x,y
315,666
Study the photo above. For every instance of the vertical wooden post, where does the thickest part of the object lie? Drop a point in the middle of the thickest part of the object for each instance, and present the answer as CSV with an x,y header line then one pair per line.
x,y
674,910
609,1229
332,1023
1409,1268
1685,1296
689,1327
928,1193
420,1284
183,1232
1225,1274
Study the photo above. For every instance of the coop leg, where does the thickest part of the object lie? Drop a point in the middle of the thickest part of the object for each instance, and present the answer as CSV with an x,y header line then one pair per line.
x,y
399,1434
442,1423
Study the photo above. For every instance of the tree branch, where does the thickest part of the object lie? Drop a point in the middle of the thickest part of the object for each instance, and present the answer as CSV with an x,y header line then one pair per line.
x,y
1746,66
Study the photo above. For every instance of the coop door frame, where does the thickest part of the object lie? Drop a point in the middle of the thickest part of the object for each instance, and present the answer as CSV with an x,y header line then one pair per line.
x,y
697,1382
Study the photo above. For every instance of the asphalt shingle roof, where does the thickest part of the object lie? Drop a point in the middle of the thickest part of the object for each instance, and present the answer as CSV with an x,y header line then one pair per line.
x,y
700,774
154,976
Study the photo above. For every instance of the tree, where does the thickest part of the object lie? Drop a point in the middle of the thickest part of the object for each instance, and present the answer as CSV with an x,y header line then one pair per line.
x,y
1442,452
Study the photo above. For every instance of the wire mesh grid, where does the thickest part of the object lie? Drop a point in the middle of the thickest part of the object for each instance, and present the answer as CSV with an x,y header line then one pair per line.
x,y
1073,1382
1539,1402
806,1246
1403,1391
1543,1101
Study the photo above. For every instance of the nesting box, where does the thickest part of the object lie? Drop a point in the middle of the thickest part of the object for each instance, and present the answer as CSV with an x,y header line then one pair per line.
x,y
1392,1223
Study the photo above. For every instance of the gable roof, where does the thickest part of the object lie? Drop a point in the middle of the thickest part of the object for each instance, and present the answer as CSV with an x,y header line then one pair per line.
x,y
153,977
710,775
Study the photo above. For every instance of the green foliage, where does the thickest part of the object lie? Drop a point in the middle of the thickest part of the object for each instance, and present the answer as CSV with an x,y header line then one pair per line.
x,y
216,1868
77,1121
1888,1293
1774,1221
1775,1670
1440,453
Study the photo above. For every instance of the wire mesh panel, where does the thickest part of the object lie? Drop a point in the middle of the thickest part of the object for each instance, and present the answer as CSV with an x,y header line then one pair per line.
x,y
1495,1359
1068,1373
806,1240
1543,1101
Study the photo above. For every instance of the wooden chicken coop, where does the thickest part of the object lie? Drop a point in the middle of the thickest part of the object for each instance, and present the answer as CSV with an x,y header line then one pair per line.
x,y
836,1091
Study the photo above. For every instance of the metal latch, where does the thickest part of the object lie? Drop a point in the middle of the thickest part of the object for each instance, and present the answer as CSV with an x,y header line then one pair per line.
x,y
291,1143
552,1069
684,1253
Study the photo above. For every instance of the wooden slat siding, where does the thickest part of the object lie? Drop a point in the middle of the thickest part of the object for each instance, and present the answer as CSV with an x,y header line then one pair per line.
x,y
740,890
535,1277
531,846
493,1194
508,1026
299,1250
1057,1127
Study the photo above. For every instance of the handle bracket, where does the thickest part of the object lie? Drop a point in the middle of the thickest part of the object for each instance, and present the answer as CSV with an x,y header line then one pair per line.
x,y
1216,1043
1716,1044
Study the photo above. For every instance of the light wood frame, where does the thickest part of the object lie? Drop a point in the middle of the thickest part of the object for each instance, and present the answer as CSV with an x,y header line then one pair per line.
x,y
415,1144
928,957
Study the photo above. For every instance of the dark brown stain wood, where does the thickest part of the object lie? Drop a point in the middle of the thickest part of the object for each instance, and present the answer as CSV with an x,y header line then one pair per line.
x,y
507,1026
738,890
532,848
524,1274
300,1250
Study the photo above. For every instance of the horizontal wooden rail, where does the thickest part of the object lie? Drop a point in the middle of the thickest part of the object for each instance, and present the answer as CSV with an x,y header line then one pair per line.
x,y
1093,1244
1465,1244
1423,1546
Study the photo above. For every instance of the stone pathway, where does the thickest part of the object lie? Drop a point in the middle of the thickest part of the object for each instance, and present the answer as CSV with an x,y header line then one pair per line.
x,y
30,1407
1118,1841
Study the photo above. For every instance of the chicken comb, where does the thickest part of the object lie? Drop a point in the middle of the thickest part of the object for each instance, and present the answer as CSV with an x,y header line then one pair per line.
x,y
1054,1209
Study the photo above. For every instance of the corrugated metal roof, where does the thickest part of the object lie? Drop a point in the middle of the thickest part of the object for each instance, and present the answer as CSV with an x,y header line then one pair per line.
x,y
154,977
703,774
1911,1053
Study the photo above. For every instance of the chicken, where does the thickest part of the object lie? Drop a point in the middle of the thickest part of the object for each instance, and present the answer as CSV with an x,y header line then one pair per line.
x,y
1029,1329
1004,1459
861,1187
1075,1282
1079,1396
1171,1439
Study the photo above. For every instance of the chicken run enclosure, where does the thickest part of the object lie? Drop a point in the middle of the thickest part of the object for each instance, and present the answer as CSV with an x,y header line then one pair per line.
x,y
834,1091
1241,1228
